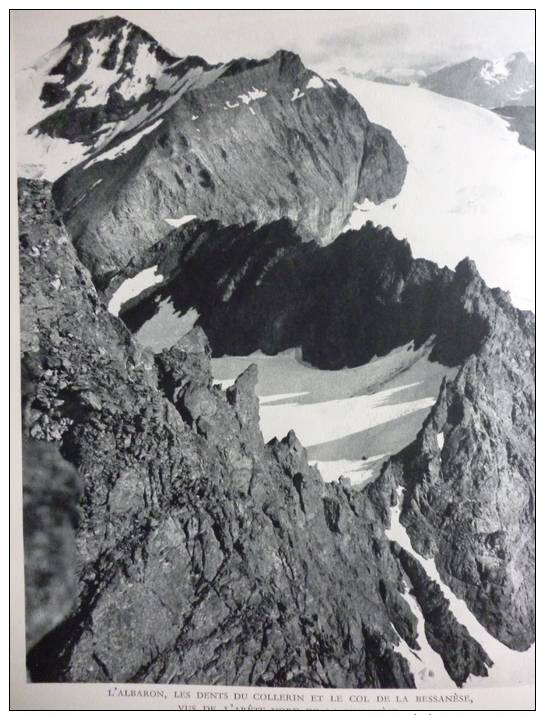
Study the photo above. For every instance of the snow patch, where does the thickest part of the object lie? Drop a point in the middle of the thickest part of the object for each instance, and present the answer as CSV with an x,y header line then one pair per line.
x,y
426,664
166,327
297,94
315,83
510,667
440,440
132,287
177,222
124,147
252,95
146,69
495,71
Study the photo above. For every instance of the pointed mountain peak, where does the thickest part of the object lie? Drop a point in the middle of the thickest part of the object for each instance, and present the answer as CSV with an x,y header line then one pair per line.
x,y
99,27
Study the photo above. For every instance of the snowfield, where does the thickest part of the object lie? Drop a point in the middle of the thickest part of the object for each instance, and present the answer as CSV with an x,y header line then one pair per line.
x,y
349,420
131,287
469,189
166,327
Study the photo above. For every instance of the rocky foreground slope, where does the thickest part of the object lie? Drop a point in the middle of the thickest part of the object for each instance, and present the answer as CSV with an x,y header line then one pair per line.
x,y
206,556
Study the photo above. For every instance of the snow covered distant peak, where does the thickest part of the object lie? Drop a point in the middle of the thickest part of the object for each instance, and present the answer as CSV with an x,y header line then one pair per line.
x,y
495,71
487,83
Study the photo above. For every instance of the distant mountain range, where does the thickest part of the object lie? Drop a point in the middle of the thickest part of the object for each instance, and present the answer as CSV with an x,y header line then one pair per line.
x,y
495,84
488,83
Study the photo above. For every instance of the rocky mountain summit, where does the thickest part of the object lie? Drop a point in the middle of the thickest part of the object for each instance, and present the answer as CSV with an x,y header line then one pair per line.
x,y
488,83
197,211
207,556
385,300
151,139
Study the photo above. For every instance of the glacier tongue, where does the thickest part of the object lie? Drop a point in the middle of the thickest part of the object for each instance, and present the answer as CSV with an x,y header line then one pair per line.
x,y
468,189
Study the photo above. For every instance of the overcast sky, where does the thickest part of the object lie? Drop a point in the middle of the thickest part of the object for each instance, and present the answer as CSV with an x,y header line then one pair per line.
x,y
360,39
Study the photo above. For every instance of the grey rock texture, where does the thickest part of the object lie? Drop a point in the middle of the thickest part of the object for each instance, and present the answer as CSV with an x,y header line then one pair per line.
x,y
470,505
206,556
362,295
247,141
522,120
469,499
203,555
486,83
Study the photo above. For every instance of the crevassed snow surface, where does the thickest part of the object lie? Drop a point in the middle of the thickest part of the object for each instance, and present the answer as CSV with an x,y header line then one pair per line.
x,y
510,667
132,287
469,189
349,420
176,222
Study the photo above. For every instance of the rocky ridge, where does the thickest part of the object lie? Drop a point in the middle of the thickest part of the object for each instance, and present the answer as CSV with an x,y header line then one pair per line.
x,y
385,298
203,555
148,138
488,83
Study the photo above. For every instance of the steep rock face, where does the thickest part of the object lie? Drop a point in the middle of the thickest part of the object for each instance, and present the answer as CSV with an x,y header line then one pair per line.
x,y
247,147
469,478
522,120
360,296
509,81
470,503
203,555
154,138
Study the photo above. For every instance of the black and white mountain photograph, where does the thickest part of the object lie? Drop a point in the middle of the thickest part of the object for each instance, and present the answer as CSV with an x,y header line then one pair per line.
x,y
276,279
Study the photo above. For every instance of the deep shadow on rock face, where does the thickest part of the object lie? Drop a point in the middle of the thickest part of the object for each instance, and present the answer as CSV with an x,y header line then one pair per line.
x,y
362,295
205,555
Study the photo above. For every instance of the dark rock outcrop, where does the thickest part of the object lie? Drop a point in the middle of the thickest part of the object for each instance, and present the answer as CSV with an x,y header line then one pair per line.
x,y
463,655
522,120
206,556
237,150
151,137
360,296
